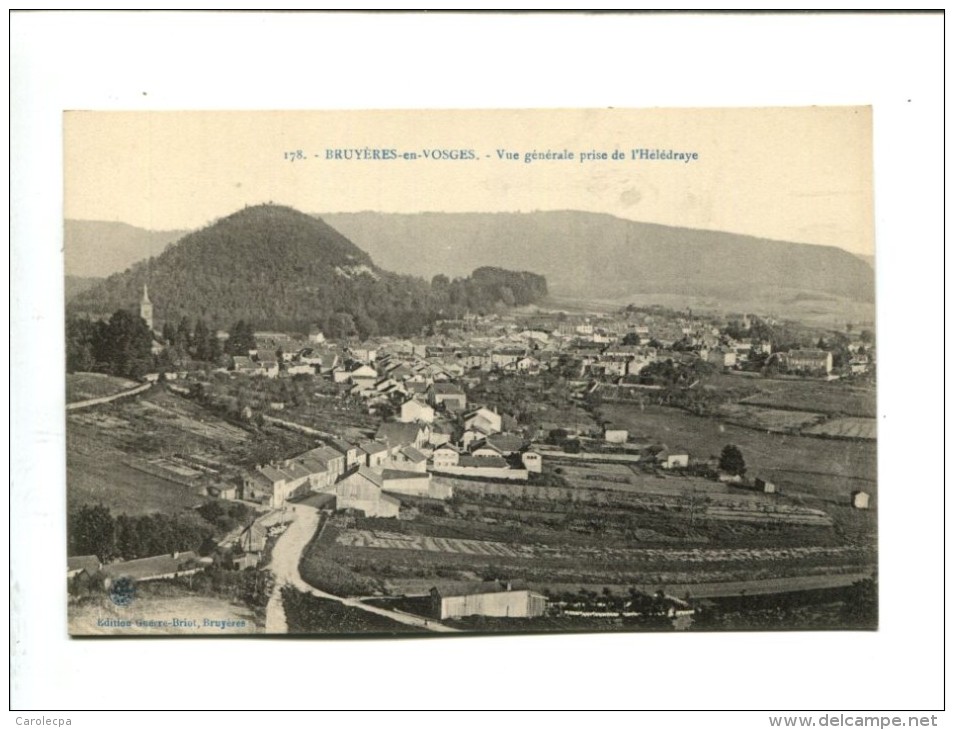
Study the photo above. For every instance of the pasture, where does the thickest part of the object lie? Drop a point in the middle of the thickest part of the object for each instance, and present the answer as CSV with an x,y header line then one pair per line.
x,y
86,386
826,469
152,452
846,428
814,395
769,419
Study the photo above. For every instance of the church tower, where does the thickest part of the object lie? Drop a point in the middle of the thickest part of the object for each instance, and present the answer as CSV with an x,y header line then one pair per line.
x,y
145,306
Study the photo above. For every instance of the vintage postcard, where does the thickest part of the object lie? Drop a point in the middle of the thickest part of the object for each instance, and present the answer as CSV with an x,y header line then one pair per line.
x,y
416,372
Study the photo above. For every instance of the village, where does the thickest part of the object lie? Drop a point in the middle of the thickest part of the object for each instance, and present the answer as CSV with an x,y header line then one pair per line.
x,y
510,408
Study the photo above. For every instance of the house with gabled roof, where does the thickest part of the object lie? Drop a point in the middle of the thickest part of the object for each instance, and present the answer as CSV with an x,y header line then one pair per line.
x,y
484,420
810,361
408,458
362,491
507,600
363,353
319,476
675,458
449,395
484,448
375,453
396,434
245,366
416,410
445,455
347,448
158,567
334,459
532,460
400,481
506,443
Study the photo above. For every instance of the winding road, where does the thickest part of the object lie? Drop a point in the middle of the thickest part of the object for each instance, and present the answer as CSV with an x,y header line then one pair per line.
x,y
286,556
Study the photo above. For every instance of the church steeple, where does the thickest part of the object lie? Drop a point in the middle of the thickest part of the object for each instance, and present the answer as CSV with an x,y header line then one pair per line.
x,y
145,306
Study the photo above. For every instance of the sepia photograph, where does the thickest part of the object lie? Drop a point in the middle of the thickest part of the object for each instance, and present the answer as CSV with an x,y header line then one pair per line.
x,y
390,373
460,361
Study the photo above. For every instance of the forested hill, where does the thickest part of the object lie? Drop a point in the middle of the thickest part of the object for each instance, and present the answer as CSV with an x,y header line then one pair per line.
x,y
275,267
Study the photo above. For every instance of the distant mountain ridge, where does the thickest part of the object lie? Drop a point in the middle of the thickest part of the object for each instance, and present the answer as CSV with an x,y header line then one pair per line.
x,y
273,266
94,249
78,284
599,255
582,255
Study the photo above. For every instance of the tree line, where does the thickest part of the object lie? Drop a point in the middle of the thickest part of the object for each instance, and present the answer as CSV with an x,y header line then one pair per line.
x,y
276,268
94,530
122,345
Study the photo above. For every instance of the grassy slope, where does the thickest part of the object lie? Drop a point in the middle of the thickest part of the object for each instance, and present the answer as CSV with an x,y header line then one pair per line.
x,y
826,469
83,386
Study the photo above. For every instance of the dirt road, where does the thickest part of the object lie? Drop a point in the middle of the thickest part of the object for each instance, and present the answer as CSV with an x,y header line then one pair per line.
x,y
286,556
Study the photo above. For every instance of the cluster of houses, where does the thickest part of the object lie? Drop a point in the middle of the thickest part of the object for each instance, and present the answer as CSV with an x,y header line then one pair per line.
x,y
603,346
382,371
609,345
403,458
435,431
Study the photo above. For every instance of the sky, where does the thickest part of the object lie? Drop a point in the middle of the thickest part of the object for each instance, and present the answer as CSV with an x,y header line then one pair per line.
x,y
799,174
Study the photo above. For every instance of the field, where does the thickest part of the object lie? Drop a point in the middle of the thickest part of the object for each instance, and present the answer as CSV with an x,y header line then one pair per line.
x,y
849,428
824,469
97,472
85,386
552,544
673,485
816,396
770,419
404,541
149,453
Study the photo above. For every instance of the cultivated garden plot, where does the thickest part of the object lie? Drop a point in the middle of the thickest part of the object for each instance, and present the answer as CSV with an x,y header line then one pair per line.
x,y
396,541
770,419
846,428
814,396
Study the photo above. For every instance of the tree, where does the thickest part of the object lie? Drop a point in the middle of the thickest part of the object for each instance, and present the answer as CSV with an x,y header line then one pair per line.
x,y
92,531
128,539
202,341
241,339
183,335
341,324
440,284
79,345
124,345
731,460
